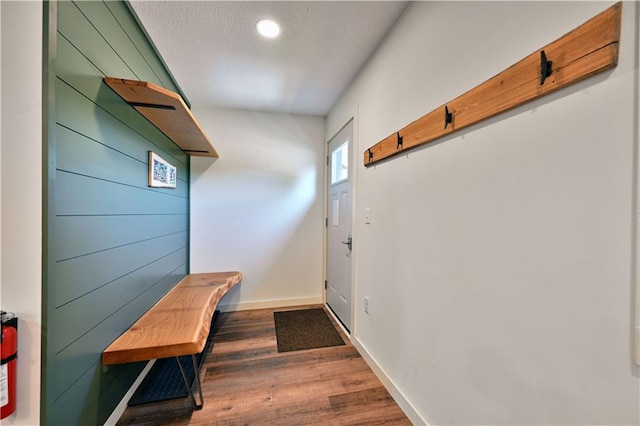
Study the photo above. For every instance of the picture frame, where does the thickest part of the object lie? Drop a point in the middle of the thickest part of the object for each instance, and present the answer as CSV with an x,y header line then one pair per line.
x,y
162,174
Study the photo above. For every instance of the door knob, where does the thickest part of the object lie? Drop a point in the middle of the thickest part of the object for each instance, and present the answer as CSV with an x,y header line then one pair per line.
x,y
349,242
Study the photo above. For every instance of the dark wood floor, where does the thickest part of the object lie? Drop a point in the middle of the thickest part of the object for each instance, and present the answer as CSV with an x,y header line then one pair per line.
x,y
246,381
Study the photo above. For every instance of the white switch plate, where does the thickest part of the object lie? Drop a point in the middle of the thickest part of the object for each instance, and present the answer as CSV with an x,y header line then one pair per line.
x,y
367,216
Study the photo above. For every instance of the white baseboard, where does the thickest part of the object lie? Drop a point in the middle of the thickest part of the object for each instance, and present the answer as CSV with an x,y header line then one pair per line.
x,y
638,344
122,406
404,404
265,304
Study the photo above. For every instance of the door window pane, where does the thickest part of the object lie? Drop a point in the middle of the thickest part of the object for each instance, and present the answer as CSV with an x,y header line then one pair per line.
x,y
340,163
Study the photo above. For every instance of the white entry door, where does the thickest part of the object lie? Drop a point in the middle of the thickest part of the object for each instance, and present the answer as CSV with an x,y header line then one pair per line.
x,y
339,239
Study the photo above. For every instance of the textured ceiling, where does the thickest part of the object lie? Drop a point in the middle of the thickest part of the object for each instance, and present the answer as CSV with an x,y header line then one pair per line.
x,y
218,59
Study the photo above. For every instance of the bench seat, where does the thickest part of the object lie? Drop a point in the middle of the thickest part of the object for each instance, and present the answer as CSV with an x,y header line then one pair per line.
x,y
177,325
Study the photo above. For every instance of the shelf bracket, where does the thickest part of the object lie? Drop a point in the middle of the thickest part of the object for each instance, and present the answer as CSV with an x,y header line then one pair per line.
x,y
147,105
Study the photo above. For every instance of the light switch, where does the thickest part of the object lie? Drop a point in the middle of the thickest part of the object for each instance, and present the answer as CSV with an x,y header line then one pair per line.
x,y
367,216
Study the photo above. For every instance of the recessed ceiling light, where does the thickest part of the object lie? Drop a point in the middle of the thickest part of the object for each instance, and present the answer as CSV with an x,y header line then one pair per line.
x,y
268,28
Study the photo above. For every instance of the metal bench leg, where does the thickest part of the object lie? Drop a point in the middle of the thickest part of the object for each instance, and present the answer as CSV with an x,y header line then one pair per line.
x,y
186,382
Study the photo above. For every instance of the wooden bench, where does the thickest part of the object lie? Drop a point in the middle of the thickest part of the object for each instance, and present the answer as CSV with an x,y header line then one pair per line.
x,y
177,325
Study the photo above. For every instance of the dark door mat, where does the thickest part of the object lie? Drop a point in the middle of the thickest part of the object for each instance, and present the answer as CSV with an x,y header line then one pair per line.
x,y
305,329
164,380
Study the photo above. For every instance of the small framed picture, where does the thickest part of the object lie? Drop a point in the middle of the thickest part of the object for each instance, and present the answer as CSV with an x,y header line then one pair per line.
x,y
161,173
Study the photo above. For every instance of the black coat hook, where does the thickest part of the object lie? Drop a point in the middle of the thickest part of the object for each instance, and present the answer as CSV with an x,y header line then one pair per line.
x,y
370,155
399,145
448,117
545,67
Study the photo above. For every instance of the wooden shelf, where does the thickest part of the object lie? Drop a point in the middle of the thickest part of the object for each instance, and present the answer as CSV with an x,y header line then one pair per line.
x,y
167,111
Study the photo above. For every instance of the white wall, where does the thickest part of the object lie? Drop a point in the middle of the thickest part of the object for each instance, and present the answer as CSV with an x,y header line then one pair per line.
x,y
21,193
258,208
499,261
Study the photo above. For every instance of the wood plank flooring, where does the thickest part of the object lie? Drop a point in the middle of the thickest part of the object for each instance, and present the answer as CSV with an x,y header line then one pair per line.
x,y
245,381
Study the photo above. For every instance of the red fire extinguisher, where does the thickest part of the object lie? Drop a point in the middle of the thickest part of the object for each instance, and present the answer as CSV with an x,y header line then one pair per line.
x,y
8,368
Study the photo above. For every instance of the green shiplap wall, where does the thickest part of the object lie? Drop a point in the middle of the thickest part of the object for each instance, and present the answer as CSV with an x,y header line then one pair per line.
x,y
113,245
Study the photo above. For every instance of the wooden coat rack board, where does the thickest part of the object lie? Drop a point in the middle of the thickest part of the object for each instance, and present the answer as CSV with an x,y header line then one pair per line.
x,y
584,52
